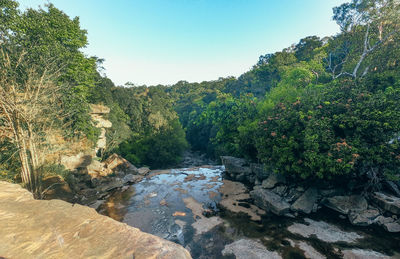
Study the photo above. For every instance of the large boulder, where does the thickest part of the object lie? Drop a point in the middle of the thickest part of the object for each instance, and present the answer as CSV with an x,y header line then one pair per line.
x,y
272,180
387,202
305,203
236,167
270,201
57,229
345,204
117,162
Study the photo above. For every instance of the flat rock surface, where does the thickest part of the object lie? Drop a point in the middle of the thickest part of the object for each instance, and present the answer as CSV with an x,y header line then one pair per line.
x,y
363,254
56,229
249,249
324,231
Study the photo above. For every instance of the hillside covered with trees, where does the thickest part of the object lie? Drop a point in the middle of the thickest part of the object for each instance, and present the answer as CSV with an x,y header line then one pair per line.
x,y
320,109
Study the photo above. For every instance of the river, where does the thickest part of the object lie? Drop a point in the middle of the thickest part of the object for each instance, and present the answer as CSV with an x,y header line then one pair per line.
x,y
213,217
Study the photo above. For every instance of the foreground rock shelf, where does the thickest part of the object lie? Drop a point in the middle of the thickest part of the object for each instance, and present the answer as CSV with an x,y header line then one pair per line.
x,y
56,229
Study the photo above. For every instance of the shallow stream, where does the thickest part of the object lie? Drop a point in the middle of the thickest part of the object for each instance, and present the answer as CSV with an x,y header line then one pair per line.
x,y
182,205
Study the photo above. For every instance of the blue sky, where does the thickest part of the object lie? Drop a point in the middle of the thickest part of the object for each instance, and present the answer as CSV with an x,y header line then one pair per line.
x,y
164,41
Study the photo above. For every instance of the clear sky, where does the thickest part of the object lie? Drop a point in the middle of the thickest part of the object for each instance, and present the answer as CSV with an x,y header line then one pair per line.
x,y
164,41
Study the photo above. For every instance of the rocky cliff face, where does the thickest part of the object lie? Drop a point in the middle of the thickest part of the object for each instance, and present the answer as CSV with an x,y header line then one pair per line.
x,y
56,229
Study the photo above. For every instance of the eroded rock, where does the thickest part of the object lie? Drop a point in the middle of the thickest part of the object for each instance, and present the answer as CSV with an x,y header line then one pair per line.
x,y
57,229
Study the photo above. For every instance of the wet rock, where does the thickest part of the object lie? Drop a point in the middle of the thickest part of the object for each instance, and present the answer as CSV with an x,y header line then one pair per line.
x,y
249,249
363,218
130,178
363,254
205,224
272,180
306,201
57,229
345,204
270,201
323,231
387,202
233,195
308,250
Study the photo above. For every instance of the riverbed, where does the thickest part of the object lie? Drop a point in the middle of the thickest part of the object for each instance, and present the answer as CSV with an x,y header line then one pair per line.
x,y
213,217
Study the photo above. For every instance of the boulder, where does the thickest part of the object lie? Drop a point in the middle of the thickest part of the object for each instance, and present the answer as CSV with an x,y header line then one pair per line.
x,y
54,187
388,223
80,160
305,203
270,201
345,204
393,227
363,218
143,171
259,171
387,202
236,167
130,178
115,161
272,180
57,229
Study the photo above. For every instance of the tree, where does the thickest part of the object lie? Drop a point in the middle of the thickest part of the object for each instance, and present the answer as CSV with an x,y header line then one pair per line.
x,y
29,108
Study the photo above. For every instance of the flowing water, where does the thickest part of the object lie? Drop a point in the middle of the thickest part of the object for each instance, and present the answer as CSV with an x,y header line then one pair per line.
x,y
182,205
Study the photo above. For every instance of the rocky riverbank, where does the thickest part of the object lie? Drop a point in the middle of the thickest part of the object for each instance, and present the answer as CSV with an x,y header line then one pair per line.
x,y
56,229
274,193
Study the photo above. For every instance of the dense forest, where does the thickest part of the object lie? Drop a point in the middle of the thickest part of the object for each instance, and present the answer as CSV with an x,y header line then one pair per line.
x,y
320,109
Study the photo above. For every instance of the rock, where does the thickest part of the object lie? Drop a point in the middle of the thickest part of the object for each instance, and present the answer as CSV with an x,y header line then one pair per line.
x,y
393,227
115,161
233,196
99,109
57,229
387,202
308,250
272,180
236,167
270,201
382,220
280,190
362,254
54,187
259,171
306,201
363,218
249,249
392,187
205,224
130,178
113,184
80,160
323,231
331,192
143,171
345,204
95,168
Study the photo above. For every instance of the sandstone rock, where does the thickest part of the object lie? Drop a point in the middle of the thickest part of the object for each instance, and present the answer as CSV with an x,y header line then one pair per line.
x,y
345,204
382,220
272,180
233,196
99,109
387,202
306,201
54,187
57,229
130,178
323,231
115,161
143,171
363,218
270,201
80,160
363,254
249,249
393,227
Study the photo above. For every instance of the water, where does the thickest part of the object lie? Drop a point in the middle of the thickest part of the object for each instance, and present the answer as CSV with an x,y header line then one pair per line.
x,y
181,205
